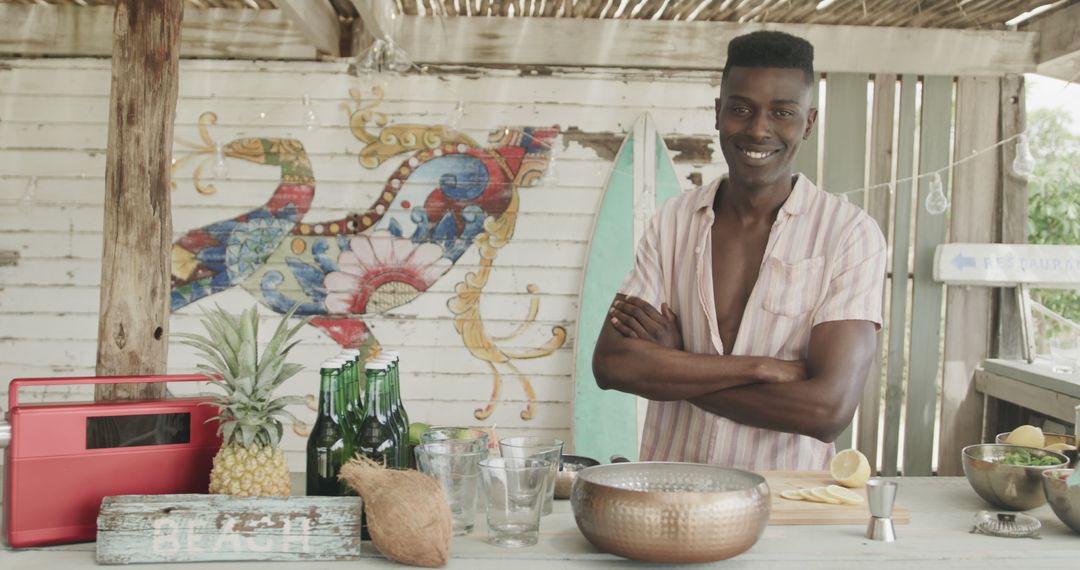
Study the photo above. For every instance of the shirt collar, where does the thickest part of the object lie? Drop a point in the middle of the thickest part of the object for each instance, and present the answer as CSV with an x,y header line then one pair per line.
x,y
797,203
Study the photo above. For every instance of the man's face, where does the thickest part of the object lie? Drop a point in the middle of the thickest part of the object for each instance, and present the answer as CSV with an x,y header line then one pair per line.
x,y
763,115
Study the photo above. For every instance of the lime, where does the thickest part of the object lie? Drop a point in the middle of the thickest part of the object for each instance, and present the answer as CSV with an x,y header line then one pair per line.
x,y
415,430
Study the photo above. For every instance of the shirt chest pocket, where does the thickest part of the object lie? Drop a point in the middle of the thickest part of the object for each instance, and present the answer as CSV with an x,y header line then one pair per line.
x,y
792,289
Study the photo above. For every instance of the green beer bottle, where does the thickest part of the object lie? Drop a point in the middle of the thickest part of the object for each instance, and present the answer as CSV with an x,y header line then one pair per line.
x,y
345,405
356,386
326,445
377,438
401,418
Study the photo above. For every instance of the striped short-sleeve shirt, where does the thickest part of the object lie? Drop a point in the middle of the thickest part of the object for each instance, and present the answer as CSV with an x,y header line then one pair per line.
x,y
825,261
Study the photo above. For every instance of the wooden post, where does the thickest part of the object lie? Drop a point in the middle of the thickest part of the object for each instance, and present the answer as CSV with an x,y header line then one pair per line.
x,y
1012,214
877,205
134,310
968,324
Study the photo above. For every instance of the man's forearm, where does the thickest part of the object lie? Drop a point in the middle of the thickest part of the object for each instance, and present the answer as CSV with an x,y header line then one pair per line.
x,y
660,373
797,407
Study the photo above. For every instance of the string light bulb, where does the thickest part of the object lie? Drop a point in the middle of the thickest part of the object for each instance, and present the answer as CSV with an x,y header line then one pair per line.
x,y
27,199
311,120
220,169
1024,163
454,118
936,202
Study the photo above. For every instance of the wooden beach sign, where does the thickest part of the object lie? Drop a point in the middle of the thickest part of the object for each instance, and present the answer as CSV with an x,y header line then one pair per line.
x,y
203,528
642,177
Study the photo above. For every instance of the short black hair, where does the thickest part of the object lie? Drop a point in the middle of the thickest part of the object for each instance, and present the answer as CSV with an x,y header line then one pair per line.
x,y
771,49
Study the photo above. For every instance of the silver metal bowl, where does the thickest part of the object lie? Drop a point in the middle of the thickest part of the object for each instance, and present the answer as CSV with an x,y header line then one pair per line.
x,y
670,512
1064,500
1013,487
1051,438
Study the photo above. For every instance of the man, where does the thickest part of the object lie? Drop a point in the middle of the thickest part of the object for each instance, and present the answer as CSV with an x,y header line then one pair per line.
x,y
749,318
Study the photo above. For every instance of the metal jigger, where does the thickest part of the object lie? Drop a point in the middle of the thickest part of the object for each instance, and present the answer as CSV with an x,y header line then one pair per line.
x,y
882,495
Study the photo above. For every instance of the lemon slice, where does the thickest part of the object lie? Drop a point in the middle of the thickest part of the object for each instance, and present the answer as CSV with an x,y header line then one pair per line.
x,y
844,495
823,494
792,494
1060,447
850,468
808,494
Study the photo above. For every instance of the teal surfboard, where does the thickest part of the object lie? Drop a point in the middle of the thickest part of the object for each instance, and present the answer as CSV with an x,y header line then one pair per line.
x,y
643,176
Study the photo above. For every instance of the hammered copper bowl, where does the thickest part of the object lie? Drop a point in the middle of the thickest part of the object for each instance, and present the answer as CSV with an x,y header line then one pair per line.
x,y
1064,500
1013,487
670,512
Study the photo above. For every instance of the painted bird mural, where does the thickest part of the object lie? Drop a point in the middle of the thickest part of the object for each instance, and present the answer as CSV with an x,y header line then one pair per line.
x,y
447,194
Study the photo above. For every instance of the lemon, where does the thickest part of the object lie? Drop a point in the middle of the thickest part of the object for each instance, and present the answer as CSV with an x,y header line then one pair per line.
x,y
792,494
808,495
844,495
1062,446
1027,436
823,494
850,468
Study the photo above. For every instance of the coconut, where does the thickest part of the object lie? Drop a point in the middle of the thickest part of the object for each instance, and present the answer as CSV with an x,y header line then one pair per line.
x,y
408,516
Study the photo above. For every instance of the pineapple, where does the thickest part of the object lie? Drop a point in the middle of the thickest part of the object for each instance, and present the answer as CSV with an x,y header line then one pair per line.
x,y
249,462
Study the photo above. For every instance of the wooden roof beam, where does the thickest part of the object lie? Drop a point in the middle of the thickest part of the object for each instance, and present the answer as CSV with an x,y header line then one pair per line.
x,y
703,45
1059,43
317,20
74,31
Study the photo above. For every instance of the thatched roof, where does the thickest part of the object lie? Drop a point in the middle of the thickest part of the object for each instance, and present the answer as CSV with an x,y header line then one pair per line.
x,y
962,14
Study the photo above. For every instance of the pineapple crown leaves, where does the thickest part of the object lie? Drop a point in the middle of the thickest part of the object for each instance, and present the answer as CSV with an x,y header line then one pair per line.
x,y
247,411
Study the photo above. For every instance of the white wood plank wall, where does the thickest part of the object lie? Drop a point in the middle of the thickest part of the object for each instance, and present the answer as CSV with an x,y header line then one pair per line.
x,y
53,122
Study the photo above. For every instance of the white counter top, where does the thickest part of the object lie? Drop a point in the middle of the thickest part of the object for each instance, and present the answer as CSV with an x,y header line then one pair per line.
x,y
942,514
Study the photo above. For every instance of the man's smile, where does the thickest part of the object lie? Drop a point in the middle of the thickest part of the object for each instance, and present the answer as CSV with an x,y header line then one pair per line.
x,y
756,155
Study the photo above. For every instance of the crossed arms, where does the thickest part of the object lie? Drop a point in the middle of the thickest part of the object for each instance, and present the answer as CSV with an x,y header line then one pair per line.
x,y
640,351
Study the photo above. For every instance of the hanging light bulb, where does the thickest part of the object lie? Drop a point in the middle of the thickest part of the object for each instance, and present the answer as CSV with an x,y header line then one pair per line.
x,y
311,120
220,168
936,202
1024,163
454,118
27,199
551,176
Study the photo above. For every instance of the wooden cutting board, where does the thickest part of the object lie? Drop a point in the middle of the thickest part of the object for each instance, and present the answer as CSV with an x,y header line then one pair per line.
x,y
786,512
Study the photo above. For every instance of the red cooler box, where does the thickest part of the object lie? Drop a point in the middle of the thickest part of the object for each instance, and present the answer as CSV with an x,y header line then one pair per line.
x,y
62,458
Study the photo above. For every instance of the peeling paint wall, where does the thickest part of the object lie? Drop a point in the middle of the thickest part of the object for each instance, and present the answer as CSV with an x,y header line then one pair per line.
x,y
53,125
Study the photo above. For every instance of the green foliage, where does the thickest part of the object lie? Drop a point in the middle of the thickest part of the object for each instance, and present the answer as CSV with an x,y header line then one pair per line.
x,y
1054,196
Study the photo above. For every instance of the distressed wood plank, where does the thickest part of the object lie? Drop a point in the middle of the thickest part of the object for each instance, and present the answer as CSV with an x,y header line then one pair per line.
x,y
878,205
1059,42
317,20
203,528
898,293
924,361
1030,396
213,32
845,152
133,328
968,309
702,45
1011,218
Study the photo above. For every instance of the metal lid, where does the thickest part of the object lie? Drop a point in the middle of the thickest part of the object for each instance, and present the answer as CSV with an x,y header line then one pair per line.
x,y
1009,525
351,352
331,363
375,365
392,354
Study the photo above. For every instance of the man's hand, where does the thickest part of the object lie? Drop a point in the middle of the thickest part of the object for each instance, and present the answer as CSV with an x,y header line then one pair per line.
x,y
780,371
635,318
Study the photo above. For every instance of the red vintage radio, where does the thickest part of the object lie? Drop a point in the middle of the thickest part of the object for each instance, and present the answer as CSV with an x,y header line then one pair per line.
x,y
62,458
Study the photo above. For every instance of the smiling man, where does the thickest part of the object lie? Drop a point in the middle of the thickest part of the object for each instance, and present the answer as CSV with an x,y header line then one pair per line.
x,y
749,318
